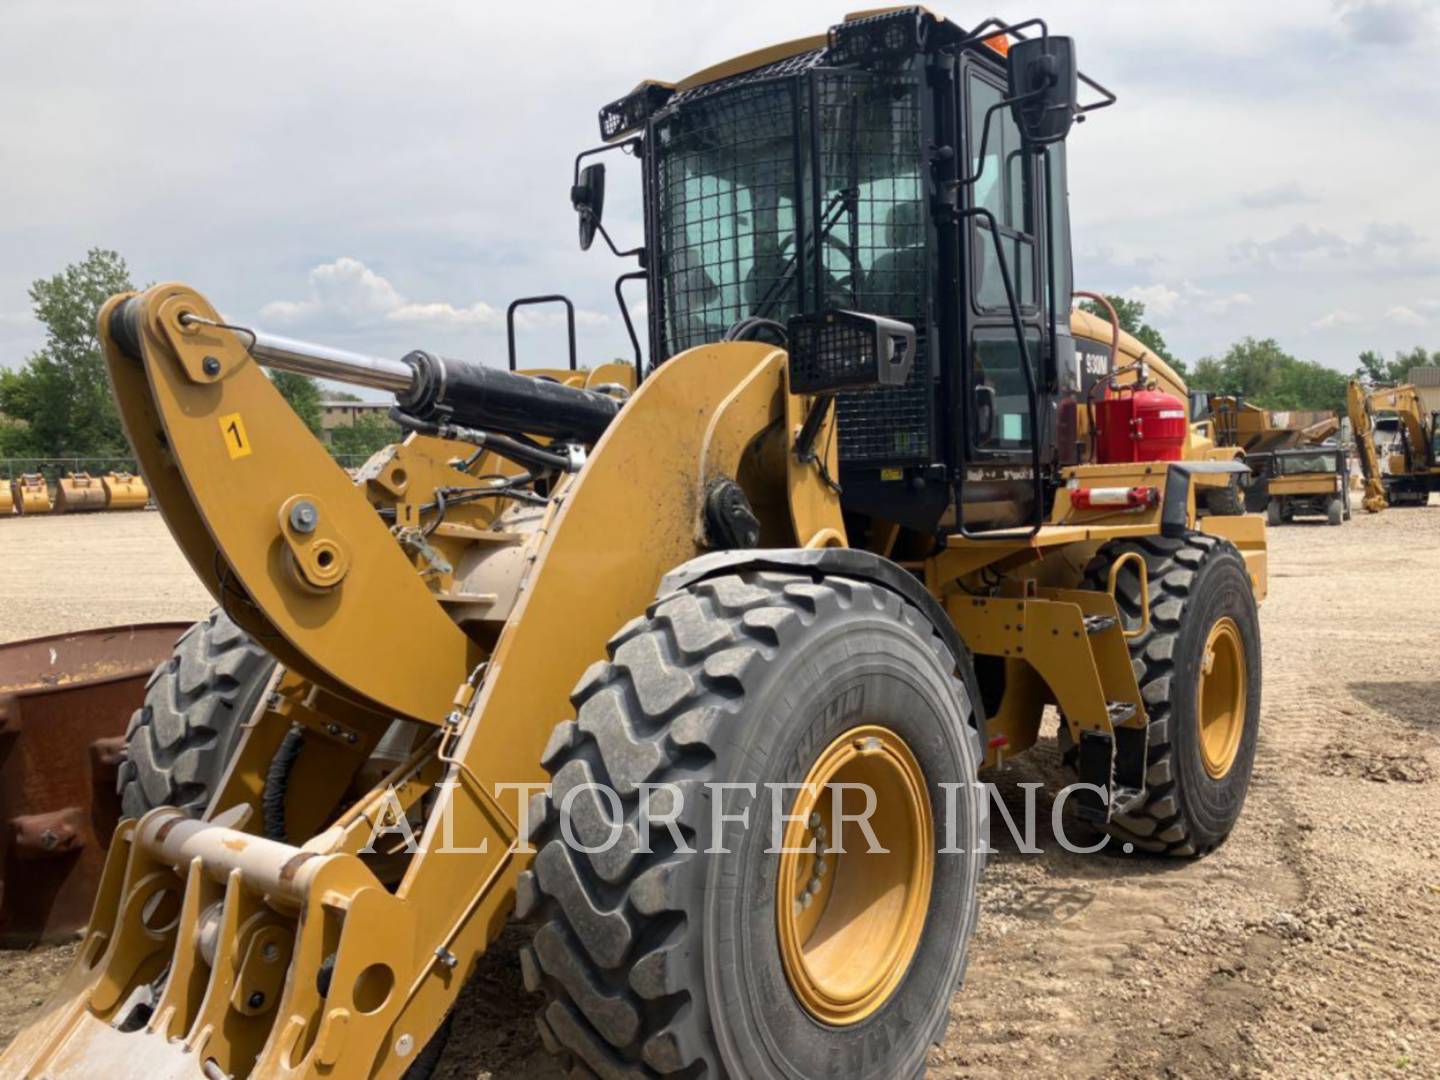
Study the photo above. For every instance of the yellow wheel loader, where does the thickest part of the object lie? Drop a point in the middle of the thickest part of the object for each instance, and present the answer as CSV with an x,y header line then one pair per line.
x,y
692,668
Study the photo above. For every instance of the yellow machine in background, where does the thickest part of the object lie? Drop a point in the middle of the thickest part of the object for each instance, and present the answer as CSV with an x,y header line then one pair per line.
x,y
1255,430
78,493
1295,465
31,494
124,491
583,643
1407,477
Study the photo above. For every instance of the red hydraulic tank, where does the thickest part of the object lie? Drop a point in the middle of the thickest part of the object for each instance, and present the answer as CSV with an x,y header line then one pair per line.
x,y
1139,425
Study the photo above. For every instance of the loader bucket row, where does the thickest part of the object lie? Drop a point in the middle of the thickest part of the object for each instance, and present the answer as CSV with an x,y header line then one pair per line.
x,y
76,493
64,704
31,494
79,493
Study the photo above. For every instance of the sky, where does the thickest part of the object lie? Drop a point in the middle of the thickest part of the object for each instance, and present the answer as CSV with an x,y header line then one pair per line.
x,y
386,176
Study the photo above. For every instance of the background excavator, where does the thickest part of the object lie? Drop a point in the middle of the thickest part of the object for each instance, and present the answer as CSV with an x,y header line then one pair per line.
x,y
877,500
1408,474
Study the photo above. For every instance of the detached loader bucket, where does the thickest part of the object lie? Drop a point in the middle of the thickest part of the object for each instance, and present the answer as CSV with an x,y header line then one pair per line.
x,y
64,703
79,493
7,498
124,491
30,494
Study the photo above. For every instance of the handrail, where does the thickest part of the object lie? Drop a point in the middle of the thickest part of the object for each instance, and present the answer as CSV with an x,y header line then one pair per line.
x,y
527,301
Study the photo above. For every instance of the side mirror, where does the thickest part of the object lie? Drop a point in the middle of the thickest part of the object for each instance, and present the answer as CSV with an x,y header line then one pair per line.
x,y
1045,87
588,198
984,414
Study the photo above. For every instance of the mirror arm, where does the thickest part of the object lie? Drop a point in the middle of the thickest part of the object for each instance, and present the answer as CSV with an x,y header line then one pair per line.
x,y
627,146
966,181
638,252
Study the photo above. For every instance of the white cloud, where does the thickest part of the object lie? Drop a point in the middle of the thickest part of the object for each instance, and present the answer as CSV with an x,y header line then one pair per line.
x,y
1158,299
1223,305
1336,319
1405,316
1289,193
347,290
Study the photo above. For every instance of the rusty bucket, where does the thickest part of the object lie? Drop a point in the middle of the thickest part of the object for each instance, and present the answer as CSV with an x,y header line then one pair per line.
x,y
79,493
124,491
30,494
64,704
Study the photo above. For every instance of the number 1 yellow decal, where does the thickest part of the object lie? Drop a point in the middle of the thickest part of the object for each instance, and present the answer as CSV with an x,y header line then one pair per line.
x,y
232,428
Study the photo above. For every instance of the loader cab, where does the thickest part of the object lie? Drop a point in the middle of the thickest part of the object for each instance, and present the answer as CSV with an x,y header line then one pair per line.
x,y
882,168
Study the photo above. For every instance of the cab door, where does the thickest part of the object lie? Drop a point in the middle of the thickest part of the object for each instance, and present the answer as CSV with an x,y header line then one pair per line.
x,y
1003,234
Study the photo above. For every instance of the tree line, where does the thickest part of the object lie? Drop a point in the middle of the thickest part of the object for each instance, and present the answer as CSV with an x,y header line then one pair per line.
x,y
58,402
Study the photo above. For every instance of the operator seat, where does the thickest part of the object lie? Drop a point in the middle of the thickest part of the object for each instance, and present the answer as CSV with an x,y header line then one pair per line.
x,y
895,285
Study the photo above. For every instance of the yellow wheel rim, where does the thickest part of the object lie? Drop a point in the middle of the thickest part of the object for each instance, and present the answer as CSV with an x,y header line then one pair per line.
x,y
1222,691
849,922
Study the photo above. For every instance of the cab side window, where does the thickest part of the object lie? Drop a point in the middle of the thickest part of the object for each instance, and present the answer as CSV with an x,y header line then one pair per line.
x,y
1003,187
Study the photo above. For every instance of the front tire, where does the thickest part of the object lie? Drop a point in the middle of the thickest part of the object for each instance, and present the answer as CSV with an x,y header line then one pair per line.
x,y
179,741
1198,665
1274,514
670,962
1335,510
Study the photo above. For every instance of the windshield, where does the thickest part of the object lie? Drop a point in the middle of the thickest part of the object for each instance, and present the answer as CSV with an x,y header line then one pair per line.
x,y
736,189
1319,461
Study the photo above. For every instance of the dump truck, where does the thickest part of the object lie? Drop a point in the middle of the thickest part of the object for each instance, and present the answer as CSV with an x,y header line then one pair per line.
x,y
1411,470
618,651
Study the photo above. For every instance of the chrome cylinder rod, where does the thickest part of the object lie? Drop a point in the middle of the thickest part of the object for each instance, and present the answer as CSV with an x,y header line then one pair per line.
x,y
324,362
320,361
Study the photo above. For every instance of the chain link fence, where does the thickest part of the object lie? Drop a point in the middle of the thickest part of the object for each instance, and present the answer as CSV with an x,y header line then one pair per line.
x,y
52,468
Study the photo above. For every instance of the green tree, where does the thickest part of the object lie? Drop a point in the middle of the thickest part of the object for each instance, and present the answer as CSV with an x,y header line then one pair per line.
x,y
1131,314
61,395
1264,374
369,432
303,394
1375,369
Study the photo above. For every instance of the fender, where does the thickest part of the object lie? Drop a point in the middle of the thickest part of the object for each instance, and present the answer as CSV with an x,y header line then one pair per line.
x,y
839,562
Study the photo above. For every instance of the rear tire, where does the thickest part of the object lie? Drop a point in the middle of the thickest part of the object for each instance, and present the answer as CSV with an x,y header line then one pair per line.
x,y
1227,501
1196,582
668,962
179,742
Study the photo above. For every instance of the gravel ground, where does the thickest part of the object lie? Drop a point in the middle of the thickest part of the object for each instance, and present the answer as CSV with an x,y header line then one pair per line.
x,y
72,572
1305,947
